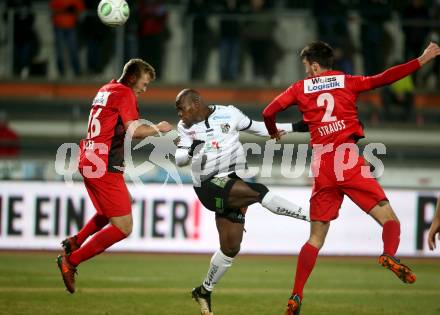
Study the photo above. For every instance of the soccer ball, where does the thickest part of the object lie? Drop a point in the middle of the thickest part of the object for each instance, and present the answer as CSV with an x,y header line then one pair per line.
x,y
113,12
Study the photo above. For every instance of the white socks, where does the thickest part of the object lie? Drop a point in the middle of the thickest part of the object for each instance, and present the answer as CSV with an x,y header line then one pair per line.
x,y
220,263
281,206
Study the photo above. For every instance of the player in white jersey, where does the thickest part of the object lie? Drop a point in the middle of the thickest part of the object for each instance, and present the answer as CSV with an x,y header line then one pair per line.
x,y
209,140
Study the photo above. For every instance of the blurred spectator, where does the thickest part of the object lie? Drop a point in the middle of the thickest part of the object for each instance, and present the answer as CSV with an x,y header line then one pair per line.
x,y
131,47
331,18
415,29
26,43
65,18
9,141
97,38
415,17
295,4
258,35
375,39
153,33
230,40
203,37
398,100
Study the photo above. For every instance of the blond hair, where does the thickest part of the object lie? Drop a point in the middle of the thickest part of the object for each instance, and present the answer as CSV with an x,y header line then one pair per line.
x,y
136,67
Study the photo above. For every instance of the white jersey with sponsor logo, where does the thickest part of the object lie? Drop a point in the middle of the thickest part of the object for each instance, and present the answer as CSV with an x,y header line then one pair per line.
x,y
220,152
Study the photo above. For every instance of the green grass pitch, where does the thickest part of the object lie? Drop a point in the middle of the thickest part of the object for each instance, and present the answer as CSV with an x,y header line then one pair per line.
x,y
148,284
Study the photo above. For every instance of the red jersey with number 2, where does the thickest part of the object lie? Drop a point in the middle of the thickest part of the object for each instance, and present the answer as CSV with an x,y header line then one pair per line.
x,y
328,105
113,106
328,102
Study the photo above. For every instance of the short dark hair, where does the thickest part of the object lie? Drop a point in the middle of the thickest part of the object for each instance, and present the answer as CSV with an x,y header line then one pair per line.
x,y
138,66
319,52
191,94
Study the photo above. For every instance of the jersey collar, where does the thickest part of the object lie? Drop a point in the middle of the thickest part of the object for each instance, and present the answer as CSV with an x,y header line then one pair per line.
x,y
329,72
213,107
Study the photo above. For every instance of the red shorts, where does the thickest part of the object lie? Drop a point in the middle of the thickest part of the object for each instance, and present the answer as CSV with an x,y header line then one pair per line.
x,y
109,194
328,192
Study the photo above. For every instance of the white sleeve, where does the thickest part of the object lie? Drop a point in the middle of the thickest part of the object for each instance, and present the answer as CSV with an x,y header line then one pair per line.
x,y
184,140
183,146
181,156
243,121
259,128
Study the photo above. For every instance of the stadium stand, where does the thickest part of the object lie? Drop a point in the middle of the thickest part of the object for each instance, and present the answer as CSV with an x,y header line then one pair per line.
x,y
47,110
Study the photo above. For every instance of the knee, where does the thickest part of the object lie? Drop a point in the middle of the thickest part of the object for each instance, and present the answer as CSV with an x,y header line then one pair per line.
x,y
316,242
242,195
260,188
125,228
231,250
391,217
123,223
127,231
388,214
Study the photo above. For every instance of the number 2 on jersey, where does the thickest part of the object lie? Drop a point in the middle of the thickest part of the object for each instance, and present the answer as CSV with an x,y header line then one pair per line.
x,y
94,124
321,101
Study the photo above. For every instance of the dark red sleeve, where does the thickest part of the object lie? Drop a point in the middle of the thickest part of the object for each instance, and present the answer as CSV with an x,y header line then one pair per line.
x,y
393,74
128,109
280,103
269,115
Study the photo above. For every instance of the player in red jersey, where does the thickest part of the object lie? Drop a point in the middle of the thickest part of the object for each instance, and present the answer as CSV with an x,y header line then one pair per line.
x,y
114,112
327,100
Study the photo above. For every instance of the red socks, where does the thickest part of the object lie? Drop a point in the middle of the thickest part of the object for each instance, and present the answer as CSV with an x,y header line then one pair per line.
x,y
97,244
92,226
306,262
309,253
391,237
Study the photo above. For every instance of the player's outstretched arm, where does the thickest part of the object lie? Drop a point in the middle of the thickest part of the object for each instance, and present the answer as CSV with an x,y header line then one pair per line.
x,y
258,128
279,104
398,72
432,51
140,130
435,228
269,115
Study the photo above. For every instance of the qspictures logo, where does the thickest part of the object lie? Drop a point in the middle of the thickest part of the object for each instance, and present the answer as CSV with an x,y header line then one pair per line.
x,y
67,161
345,157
